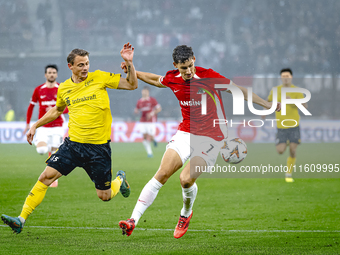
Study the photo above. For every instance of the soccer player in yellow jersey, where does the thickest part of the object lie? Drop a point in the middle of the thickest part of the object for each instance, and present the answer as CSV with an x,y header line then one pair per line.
x,y
287,135
88,144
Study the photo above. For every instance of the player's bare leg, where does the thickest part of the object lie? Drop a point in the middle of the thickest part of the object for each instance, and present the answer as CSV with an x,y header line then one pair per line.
x,y
152,139
147,145
281,148
170,163
188,178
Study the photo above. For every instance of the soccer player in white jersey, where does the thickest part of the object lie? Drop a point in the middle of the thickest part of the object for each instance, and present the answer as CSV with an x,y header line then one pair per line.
x,y
194,139
149,108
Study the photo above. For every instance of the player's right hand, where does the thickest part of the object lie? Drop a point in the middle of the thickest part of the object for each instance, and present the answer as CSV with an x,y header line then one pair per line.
x,y
123,66
30,134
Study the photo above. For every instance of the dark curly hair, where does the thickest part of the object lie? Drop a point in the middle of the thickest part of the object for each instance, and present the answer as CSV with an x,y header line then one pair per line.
x,y
182,53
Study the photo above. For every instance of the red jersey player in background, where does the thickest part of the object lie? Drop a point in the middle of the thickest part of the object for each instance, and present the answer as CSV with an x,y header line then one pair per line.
x,y
50,136
196,138
149,108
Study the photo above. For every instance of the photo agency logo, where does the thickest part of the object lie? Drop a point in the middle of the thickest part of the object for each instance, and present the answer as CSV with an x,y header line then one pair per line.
x,y
238,105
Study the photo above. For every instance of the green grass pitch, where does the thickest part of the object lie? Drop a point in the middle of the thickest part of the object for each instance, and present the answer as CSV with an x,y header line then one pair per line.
x,y
231,215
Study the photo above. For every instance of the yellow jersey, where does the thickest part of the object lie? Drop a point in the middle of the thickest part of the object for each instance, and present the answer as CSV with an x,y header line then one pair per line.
x,y
292,112
89,106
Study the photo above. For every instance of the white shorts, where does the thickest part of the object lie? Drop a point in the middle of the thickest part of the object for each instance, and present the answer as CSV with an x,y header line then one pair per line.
x,y
148,128
188,146
52,136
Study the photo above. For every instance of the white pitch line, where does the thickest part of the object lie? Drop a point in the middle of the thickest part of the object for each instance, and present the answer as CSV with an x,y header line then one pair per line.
x,y
195,230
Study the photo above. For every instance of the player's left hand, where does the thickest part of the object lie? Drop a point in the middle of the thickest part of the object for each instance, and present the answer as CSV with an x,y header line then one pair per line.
x,y
127,52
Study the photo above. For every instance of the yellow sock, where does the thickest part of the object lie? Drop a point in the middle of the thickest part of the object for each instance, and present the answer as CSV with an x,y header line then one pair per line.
x,y
290,164
115,186
34,198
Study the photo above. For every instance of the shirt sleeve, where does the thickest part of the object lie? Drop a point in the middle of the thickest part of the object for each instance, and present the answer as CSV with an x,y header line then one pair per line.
x,y
60,101
110,80
138,105
270,97
154,103
35,96
299,95
34,100
163,81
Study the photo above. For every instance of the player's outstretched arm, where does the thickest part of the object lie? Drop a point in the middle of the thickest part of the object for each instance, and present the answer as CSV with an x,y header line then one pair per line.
x,y
150,78
51,115
131,81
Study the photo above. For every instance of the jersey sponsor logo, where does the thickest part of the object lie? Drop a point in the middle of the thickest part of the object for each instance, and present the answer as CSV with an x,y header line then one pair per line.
x,y
67,100
52,102
88,83
191,103
146,108
83,99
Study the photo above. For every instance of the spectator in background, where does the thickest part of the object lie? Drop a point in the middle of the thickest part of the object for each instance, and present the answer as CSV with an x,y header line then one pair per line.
x,y
10,114
44,15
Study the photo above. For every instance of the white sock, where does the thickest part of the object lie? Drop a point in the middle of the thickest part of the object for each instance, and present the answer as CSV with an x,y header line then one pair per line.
x,y
146,198
22,220
189,196
147,147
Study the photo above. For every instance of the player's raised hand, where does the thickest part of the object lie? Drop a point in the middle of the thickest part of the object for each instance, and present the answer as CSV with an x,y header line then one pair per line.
x,y
123,66
127,52
30,134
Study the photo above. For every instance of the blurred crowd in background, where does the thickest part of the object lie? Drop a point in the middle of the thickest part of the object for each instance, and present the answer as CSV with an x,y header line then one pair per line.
x,y
234,37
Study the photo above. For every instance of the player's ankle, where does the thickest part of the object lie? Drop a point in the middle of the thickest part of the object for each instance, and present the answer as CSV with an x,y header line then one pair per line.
x,y
22,220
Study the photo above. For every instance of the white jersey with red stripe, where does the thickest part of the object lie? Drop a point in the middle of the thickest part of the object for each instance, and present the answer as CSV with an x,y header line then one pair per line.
x,y
190,93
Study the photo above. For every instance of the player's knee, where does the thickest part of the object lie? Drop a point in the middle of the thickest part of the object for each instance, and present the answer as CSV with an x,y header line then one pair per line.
x,y
105,199
280,150
42,150
104,195
186,180
162,176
